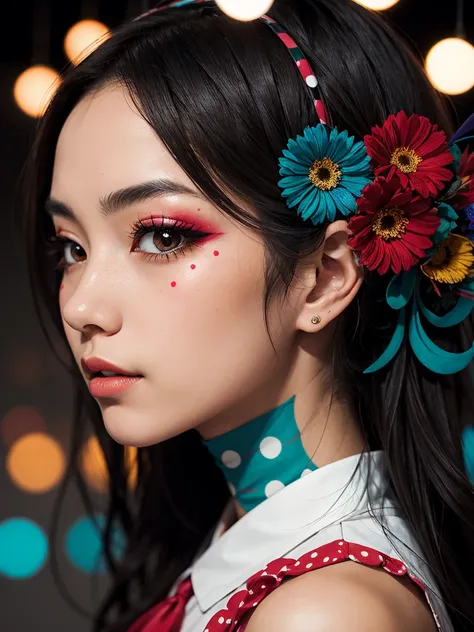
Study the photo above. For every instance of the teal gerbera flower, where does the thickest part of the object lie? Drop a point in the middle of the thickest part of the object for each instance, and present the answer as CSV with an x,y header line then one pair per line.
x,y
324,171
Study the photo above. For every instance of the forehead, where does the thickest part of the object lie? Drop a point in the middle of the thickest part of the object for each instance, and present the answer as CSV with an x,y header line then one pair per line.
x,y
106,144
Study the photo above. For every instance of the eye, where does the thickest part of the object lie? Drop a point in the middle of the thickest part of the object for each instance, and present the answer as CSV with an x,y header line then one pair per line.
x,y
155,239
64,252
160,241
73,253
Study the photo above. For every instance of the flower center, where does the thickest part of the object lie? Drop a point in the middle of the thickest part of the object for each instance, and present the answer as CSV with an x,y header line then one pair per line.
x,y
442,257
389,223
325,174
452,262
406,159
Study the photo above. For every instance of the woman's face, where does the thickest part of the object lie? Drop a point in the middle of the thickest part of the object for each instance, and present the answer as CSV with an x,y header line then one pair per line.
x,y
162,286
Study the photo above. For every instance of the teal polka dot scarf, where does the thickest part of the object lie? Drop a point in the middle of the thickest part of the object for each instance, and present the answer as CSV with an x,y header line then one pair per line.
x,y
263,456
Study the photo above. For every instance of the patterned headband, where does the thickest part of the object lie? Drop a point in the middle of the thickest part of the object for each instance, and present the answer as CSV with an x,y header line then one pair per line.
x,y
408,196
300,60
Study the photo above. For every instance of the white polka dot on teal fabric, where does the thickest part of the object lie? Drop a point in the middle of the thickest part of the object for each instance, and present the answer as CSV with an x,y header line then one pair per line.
x,y
231,459
261,457
273,487
270,447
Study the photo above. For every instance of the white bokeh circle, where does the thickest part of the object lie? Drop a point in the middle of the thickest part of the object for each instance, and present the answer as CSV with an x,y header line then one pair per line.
x,y
244,10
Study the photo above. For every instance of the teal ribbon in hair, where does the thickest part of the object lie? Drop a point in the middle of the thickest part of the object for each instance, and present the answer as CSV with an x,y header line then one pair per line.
x,y
401,289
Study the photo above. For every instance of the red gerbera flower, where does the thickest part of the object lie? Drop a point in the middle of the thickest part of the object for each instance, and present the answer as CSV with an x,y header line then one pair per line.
x,y
392,228
465,195
412,148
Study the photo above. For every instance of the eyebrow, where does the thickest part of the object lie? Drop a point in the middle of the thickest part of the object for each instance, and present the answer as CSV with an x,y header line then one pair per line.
x,y
124,198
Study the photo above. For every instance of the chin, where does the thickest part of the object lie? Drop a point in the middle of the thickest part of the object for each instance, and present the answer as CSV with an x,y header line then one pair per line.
x,y
132,427
127,437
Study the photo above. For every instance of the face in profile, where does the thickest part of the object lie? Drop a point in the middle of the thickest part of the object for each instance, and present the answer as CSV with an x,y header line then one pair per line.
x,y
162,294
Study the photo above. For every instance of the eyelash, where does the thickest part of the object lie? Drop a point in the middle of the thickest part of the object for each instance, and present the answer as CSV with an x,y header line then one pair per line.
x,y
139,229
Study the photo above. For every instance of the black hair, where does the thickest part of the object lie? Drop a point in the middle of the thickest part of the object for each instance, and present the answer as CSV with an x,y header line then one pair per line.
x,y
225,97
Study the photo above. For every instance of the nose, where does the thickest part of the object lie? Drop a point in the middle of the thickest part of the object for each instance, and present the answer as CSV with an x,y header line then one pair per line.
x,y
92,307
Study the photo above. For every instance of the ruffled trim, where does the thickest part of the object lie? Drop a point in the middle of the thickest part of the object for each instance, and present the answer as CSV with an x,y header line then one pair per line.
x,y
235,616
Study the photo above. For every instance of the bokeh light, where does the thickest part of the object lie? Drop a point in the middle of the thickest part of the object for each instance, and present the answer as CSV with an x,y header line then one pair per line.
x,y
377,5
23,548
83,38
25,368
131,463
20,421
94,467
468,451
36,462
35,88
244,10
83,544
450,65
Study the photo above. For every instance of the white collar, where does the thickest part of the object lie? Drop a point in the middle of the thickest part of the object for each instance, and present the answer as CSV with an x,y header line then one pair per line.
x,y
285,520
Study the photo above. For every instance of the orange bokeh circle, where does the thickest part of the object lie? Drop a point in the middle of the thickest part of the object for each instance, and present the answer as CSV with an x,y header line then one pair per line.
x,y
94,466
36,462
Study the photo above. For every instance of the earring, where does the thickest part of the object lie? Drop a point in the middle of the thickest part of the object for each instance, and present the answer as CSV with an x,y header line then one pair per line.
x,y
316,319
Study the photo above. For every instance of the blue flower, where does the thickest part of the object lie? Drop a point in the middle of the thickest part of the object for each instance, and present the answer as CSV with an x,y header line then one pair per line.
x,y
469,212
324,171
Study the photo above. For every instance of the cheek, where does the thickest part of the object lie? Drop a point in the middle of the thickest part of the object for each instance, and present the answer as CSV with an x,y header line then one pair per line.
x,y
199,271
65,292
203,343
206,301
223,287
73,337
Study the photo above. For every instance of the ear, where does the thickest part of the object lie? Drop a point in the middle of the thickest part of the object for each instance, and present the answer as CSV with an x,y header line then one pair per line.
x,y
330,282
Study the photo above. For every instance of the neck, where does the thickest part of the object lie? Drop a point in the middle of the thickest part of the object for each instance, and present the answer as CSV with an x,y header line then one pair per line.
x,y
271,451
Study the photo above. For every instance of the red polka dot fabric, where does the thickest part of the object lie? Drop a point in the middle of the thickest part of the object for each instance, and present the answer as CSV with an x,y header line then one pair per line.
x,y
235,616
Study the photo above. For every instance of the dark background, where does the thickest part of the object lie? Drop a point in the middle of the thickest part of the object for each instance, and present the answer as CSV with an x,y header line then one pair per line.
x,y
29,375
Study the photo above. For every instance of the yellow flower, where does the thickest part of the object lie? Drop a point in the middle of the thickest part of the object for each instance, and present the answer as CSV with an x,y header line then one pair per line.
x,y
452,262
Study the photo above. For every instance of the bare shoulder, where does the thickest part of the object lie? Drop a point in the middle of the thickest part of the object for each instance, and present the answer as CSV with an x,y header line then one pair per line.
x,y
346,596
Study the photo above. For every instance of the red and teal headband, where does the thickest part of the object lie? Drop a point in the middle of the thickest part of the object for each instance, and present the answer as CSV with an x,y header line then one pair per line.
x,y
296,53
408,195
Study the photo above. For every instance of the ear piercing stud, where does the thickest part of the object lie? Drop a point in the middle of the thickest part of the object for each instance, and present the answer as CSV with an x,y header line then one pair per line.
x,y
316,319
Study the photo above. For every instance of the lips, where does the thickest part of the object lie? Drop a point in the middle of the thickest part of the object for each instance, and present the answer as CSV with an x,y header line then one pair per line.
x,y
93,366
112,386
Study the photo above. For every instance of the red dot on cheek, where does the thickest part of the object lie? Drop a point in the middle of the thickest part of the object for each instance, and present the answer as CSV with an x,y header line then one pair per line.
x,y
193,267
216,253
173,283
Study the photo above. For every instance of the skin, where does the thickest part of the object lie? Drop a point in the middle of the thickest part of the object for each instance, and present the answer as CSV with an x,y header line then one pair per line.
x,y
347,596
193,327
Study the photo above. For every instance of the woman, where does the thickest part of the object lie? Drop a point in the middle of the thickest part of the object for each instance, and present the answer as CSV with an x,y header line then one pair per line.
x,y
257,257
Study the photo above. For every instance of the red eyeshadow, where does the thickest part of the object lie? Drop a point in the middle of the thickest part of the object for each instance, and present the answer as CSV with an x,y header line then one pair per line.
x,y
203,225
